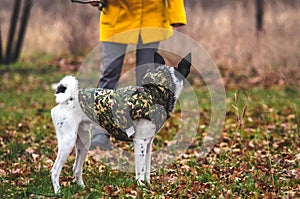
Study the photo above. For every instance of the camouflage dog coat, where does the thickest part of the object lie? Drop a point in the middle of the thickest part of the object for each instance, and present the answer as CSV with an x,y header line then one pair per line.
x,y
115,110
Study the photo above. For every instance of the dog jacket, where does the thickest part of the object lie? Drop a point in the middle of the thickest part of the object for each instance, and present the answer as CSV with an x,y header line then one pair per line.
x,y
115,110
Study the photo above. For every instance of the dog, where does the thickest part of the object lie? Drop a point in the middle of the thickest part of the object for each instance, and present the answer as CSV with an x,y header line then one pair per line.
x,y
134,113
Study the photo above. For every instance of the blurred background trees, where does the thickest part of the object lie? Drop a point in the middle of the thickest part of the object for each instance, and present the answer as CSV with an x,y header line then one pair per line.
x,y
225,28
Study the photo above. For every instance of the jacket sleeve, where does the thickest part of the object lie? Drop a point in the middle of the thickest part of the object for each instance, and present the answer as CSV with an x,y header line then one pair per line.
x,y
176,12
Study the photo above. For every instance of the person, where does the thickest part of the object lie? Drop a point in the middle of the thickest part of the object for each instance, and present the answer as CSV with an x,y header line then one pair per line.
x,y
141,22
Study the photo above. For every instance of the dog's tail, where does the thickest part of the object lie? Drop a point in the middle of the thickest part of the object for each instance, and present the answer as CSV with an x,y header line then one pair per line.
x,y
66,89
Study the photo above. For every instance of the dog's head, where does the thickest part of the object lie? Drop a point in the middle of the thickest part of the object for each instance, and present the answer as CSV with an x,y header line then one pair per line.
x,y
169,77
67,89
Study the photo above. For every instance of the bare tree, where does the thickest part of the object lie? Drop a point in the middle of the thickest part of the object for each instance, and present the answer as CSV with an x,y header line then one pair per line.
x,y
259,4
0,44
14,43
23,25
12,29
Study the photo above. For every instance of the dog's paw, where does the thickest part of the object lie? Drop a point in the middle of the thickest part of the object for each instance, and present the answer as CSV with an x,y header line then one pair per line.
x,y
143,183
57,191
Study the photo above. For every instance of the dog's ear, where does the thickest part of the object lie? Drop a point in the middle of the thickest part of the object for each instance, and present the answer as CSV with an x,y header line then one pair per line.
x,y
184,65
158,59
60,89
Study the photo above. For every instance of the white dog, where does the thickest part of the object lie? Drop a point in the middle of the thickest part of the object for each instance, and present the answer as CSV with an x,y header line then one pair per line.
x,y
131,114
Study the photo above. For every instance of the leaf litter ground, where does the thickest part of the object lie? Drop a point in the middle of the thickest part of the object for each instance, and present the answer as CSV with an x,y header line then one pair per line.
x,y
255,156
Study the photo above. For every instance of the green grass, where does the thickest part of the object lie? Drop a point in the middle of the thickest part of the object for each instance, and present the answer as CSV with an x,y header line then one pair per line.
x,y
256,160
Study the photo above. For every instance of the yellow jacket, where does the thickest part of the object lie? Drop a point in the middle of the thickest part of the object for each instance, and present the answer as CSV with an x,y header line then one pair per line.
x,y
123,20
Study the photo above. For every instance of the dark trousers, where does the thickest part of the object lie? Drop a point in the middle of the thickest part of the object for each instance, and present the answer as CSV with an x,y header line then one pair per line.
x,y
113,57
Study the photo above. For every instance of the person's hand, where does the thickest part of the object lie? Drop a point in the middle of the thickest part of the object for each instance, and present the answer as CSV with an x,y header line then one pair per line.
x,y
95,4
175,26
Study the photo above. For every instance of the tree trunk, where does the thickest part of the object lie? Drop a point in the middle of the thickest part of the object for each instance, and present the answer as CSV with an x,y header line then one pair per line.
x,y
14,42
0,44
24,21
259,4
12,29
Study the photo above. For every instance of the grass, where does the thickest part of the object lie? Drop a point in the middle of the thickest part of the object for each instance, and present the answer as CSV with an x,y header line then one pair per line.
x,y
257,160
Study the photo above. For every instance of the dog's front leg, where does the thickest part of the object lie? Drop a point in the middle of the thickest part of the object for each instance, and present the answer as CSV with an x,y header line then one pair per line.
x,y
82,146
148,159
143,138
140,147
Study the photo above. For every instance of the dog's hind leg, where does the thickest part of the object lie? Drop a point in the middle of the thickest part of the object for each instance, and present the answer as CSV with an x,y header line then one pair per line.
x,y
82,146
64,149
143,138
66,132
